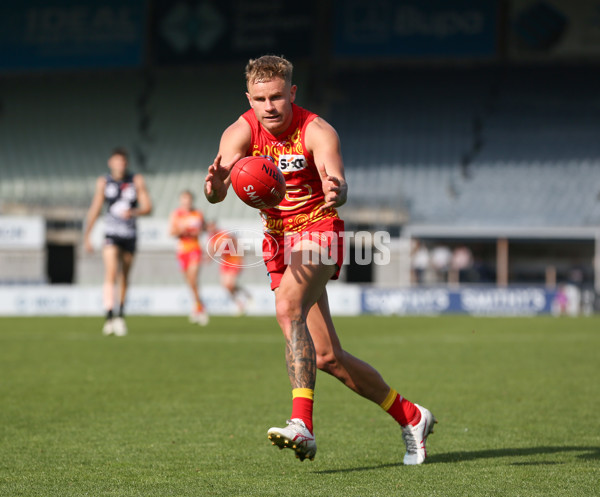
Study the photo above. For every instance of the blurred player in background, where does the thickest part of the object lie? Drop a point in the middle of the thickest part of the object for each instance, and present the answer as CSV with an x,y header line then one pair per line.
x,y
224,245
187,223
307,150
127,198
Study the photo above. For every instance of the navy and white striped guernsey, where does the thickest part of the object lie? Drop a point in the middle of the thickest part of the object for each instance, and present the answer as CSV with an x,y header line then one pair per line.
x,y
120,196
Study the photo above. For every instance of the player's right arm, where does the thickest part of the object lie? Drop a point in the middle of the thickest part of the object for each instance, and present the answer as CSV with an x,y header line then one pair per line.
x,y
235,141
174,229
94,212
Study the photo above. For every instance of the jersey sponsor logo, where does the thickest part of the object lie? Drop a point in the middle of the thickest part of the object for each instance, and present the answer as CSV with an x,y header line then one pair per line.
x,y
125,191
128,192
119,208
111,190
289,163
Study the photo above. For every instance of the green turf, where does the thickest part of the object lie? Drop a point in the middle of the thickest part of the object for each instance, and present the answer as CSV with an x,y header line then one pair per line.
x,y
177,410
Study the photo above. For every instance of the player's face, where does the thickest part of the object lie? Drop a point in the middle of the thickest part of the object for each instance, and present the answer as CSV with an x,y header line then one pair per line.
x,y
272,103
117,165
185,201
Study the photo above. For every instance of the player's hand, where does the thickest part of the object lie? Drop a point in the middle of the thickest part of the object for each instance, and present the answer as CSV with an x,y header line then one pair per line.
x,y
216,181
88,245
127,214
334,188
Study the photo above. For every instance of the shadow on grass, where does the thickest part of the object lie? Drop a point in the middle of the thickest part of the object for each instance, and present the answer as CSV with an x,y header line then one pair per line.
x,y
587,453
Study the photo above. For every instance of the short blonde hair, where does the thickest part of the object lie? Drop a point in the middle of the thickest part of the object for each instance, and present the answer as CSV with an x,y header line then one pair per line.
x,y
267,67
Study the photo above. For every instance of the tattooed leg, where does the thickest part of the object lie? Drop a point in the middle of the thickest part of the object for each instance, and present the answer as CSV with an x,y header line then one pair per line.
x,y
301,286
300,356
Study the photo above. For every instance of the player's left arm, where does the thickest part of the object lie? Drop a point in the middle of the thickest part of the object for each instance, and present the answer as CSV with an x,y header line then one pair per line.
x,y
323,142
144,201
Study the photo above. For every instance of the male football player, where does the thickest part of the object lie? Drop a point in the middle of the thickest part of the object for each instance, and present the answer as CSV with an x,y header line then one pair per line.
x,y
127,198
307,150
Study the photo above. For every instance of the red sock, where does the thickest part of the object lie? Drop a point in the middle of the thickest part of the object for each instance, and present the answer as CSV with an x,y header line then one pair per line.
x,y
402,410
302,406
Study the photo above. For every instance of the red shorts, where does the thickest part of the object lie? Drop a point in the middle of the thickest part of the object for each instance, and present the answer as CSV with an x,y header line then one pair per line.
x,y
327,232
188,258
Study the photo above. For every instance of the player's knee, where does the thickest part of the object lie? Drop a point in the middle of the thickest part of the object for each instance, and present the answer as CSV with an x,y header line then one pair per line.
x,y
329,362
287,310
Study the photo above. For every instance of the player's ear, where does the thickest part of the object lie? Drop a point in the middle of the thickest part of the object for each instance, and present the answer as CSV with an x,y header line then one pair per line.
x,y
249,99
293,93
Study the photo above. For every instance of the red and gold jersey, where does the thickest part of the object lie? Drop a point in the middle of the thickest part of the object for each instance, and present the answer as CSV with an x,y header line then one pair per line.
x,y
192,223
304,192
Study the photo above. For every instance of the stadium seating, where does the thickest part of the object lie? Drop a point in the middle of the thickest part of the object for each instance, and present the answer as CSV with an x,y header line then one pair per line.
x,y
475,146
461,146
55,132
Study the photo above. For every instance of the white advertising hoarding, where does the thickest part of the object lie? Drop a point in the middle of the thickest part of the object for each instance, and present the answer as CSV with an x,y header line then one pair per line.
x,y
72,300
18,232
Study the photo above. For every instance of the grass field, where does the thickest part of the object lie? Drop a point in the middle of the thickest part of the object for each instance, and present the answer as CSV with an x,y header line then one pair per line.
x,y
177,410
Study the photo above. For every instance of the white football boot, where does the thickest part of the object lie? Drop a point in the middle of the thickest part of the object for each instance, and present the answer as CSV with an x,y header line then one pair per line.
x,y
415,437
296,437
119,327
108,328
199,317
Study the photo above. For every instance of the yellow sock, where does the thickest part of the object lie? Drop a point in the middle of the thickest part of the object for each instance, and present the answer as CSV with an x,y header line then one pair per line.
x,y
306,393
302,406
389,400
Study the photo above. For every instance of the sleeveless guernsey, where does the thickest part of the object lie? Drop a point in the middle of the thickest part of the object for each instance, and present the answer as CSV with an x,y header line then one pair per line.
x,y
304,193
120,196
192,221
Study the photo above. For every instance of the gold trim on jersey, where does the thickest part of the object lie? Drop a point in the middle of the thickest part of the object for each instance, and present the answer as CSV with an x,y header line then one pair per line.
x,y
278,226
298,201
292,144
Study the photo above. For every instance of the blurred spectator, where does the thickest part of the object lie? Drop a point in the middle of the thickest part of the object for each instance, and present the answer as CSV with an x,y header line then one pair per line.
x,y
576,276
420,261
461,263
441,257
567,301
560,302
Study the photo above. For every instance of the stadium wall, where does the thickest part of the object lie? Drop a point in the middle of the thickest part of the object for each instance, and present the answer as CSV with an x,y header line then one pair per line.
x,y
344,299
22,249
157,286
